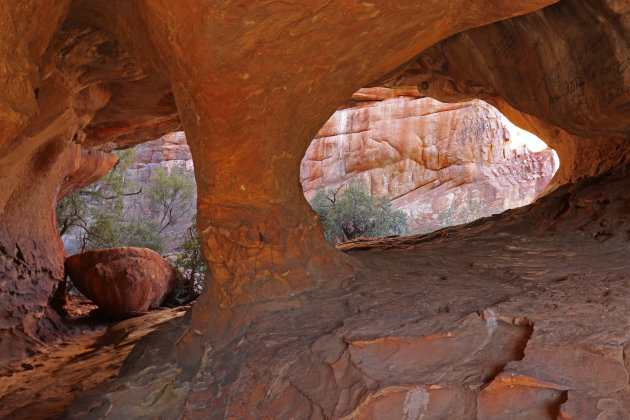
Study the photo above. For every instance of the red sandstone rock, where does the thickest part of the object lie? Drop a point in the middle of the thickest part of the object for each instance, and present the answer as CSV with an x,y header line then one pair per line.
x,y
111,74
252,85
70,94
513,65
122,281
91,166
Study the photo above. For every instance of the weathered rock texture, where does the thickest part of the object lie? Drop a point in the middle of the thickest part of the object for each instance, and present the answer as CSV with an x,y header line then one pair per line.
x,y
65,90
122,281
504,318
41,387
169,152
425,155
572,94
430,158
239,75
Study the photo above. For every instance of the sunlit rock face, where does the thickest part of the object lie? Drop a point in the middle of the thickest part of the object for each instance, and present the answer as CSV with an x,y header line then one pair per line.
x,y
169,152
568,76
440,163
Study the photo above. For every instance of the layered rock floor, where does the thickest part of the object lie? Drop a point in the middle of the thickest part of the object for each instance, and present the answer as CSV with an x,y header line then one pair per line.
x,y
42,386
502,318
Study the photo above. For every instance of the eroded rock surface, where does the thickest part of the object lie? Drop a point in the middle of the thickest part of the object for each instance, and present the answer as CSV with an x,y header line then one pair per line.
x,y
284,306
428,157
502,318
65,98
122,281
560,72
40,387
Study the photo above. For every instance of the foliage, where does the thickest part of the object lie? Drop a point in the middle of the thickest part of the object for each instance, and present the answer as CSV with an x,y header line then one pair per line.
x,y
71,212
107,231
97,211
191,265
77,210
352,213
171,196
100,214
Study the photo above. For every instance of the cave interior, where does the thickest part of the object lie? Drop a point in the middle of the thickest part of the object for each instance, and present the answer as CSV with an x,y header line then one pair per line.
x,y
521,315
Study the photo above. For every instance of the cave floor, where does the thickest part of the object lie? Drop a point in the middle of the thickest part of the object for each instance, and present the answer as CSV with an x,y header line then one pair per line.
x,y
496,319
41,386
471,322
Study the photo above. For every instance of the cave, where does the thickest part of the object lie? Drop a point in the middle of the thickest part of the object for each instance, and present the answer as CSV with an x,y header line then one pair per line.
x,y
522,315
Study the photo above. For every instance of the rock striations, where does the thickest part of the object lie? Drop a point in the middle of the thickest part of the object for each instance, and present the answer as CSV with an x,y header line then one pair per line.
x,y
440,163
428,157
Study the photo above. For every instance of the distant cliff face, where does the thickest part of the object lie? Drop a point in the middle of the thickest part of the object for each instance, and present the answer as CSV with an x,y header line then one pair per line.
x,y
167,152
441,163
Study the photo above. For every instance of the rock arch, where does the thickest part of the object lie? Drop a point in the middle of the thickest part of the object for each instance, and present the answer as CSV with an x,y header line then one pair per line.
x,y
251,83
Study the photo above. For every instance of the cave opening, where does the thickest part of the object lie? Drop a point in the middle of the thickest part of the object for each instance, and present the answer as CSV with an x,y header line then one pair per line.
x,y
441,164
146,200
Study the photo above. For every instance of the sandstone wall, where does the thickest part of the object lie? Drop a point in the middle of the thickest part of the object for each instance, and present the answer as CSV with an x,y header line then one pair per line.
x,y
61,108
440,163
237,75
168,152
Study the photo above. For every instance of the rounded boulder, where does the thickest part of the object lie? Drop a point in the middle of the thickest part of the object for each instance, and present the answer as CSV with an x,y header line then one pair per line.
x,y
122,281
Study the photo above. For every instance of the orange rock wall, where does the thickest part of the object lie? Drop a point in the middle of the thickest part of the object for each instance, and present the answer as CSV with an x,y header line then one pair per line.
x,y
252,83
60,84
568,67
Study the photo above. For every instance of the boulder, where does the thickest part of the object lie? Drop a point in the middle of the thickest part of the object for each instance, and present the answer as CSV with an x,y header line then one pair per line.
x,y
122,281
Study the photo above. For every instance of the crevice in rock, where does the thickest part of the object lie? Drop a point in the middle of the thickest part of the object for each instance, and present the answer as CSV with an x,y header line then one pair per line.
x,y
518,349
556,406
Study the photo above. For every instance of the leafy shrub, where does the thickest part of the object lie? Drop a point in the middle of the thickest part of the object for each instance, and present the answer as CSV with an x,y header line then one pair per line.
x,y
98,212
353,213
191,266
171,196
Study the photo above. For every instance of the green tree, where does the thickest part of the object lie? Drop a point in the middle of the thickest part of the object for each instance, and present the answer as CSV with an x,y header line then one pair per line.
x,y
353,213
191,266
71,213
97,211
171,196
76,210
